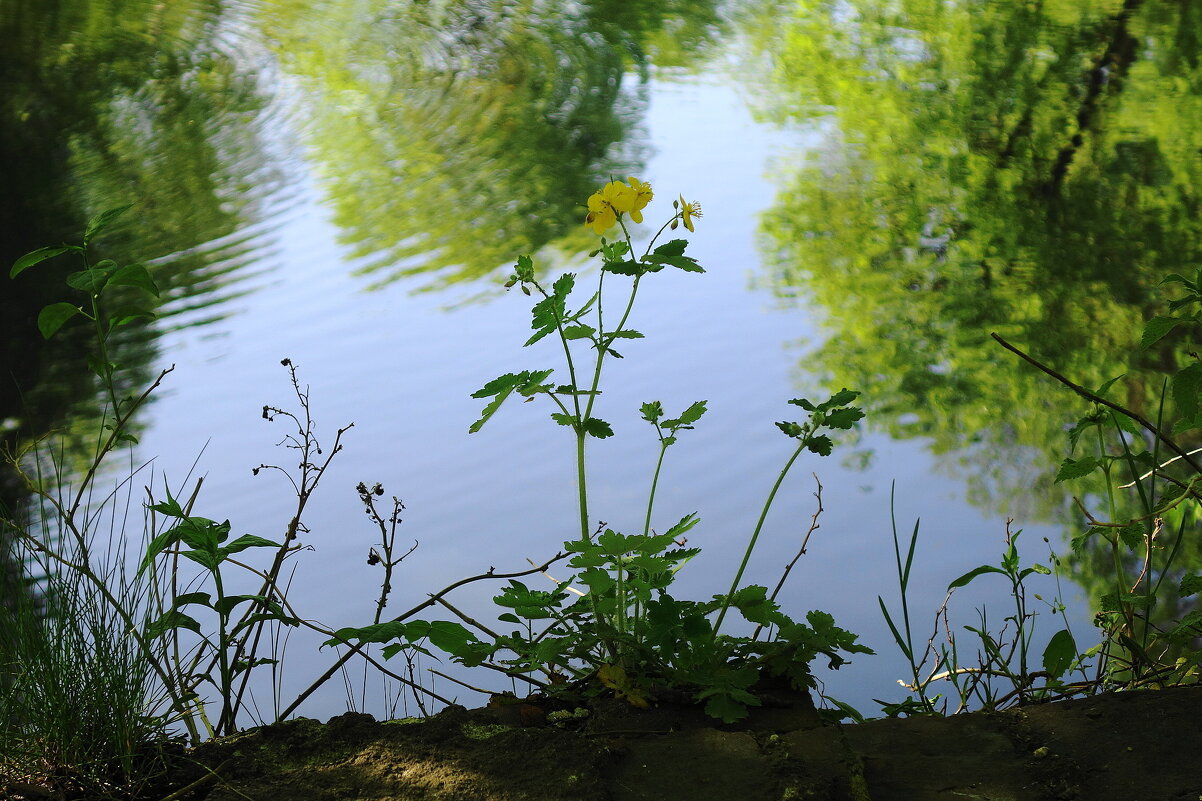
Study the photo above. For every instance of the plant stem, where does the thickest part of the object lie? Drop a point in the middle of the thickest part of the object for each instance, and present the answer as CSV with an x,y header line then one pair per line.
x,y
663,449
734,586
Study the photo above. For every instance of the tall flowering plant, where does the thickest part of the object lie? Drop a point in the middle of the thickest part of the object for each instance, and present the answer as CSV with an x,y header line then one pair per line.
x,y
613,626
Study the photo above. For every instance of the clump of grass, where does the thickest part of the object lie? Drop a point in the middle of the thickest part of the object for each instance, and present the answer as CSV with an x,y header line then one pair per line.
x,y
76,694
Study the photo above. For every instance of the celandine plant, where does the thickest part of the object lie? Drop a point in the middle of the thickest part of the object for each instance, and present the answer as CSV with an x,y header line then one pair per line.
x,y
624,633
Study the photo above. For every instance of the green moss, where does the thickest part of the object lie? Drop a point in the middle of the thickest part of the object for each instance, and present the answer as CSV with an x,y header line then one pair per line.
x,y
482,731
403,721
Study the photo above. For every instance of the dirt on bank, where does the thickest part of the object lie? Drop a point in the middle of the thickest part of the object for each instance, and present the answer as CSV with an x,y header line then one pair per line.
x,y
1136,746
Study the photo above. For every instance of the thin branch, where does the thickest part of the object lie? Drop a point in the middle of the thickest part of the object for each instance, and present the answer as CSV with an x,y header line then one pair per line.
x,y
468,620
1091,396
462,683
433,599
814,526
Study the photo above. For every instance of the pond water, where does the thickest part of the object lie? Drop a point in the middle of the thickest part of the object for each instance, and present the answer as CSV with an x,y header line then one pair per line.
x,y
345,183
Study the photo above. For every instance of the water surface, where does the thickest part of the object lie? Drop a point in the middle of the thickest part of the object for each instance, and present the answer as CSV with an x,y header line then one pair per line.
x,y
344,183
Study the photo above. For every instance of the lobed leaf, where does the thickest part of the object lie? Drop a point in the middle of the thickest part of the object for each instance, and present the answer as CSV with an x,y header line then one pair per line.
x,y
820,445
578,331
597,428
652,411
843,418
1157,328
1190,585
1187,386
624,267
1076,468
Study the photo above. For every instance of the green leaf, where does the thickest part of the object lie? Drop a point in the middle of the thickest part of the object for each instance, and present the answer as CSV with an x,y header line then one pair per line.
x,y
1080,427
135,275
201,598
52,318
972,574
682,526
206,559
548,313
1134,536
390,651
845,711
672,253
686,263
524,269
803,403
103,220
37,257
127,315
578,331
752,602
568,389
501,388
626,333
597,428
1187,385
624,267
1185,424
450,637
1190,585
1060,653
840,398
169,507
92,280
170,621
1156,329
790,429
564,419
1188,627
687,418
202,533
652,411
159,544
1176,278
379,632
1076,468
675,247
1102,390
843,418
225,605
1114,602
264,617
249,541
613,251
820,445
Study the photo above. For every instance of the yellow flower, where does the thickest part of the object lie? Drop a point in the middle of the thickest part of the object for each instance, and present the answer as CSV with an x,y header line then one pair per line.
x,y
642,196
616,198
618,195
601,215
688,211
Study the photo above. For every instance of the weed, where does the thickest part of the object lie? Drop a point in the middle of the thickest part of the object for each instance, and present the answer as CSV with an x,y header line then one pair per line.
x,y
624,633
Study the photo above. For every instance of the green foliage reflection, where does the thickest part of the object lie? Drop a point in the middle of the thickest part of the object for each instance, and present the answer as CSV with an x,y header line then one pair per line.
x,y
1030,169
451,135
